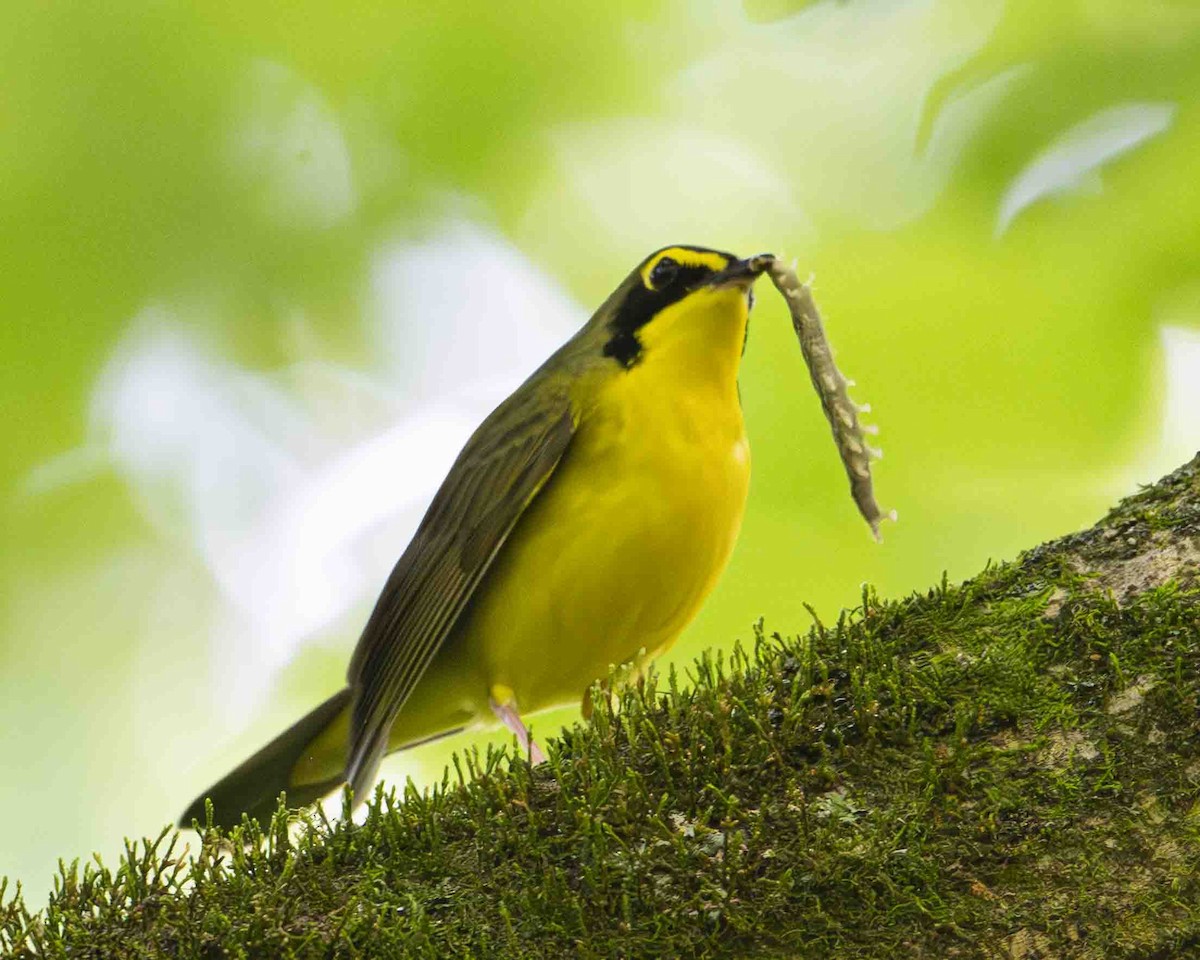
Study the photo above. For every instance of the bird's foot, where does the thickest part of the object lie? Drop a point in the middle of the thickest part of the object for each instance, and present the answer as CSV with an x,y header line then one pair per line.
x,y
508,715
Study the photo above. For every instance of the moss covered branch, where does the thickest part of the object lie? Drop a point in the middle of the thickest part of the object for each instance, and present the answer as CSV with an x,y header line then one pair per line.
x,y
1009,767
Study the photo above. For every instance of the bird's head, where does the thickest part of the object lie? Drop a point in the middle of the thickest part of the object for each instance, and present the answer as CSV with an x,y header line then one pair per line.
x,y
678,294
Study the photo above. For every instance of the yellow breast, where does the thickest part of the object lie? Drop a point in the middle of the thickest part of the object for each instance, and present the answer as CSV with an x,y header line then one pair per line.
x,y
620,549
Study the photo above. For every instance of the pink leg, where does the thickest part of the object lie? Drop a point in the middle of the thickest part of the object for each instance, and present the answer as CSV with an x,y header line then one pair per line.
x,y
510,718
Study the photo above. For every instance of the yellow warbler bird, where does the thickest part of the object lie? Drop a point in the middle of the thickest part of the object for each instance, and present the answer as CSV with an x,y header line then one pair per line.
x,y
582,525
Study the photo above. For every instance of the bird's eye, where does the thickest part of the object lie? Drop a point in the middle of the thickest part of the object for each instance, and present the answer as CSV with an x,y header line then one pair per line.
x,y
663,273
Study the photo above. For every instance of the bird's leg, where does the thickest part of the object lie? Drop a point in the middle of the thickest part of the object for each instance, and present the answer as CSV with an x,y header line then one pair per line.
x,y
508,715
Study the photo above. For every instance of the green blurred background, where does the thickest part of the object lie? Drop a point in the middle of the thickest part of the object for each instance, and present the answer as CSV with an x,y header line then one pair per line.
x,y
265,266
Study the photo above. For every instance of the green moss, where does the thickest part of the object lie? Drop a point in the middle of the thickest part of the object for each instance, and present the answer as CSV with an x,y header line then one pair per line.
x,y
1005,767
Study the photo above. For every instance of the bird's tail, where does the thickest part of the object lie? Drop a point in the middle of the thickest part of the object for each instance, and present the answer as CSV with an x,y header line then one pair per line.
x,y
306,761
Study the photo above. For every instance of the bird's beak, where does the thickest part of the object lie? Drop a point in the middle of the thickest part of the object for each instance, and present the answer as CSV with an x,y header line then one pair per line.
x,y
743,273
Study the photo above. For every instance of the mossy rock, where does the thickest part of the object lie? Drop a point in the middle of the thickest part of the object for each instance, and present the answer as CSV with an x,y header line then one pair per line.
x,y
1009,767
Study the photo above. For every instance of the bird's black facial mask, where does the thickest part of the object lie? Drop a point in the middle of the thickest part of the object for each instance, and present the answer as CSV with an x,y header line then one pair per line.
x,y
665,277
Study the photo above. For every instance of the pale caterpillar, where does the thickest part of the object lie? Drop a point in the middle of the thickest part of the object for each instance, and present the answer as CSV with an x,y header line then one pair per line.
x,y
841,412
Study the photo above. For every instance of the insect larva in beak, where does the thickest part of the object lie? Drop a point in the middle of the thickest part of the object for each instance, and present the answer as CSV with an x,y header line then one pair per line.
x,y
842,413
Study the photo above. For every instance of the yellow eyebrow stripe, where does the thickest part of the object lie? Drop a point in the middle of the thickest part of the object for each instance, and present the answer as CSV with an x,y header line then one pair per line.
x,y
685,258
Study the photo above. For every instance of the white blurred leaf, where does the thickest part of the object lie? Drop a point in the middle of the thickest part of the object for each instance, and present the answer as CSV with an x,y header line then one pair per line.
x,y
1073,160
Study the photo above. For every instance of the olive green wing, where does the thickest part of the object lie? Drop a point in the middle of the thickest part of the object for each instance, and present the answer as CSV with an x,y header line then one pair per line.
x,y
496,476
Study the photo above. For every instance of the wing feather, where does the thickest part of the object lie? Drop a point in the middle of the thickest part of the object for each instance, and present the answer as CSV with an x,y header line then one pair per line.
x,y
497,475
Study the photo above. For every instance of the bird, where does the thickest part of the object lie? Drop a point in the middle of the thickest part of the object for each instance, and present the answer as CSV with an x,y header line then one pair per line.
x,y
580,529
